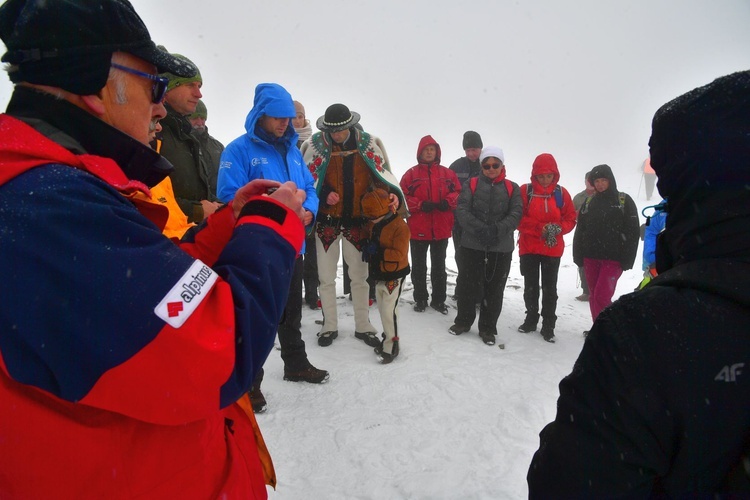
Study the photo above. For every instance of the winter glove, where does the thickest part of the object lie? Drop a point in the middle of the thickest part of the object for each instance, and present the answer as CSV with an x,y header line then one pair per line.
x,y
369,250
427,206
549,234
443,206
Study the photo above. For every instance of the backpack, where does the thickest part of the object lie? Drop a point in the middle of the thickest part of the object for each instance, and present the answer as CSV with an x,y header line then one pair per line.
x,y
473,185
557,193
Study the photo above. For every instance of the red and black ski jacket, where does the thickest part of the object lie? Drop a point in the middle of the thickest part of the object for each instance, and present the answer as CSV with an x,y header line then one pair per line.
x,y
122,353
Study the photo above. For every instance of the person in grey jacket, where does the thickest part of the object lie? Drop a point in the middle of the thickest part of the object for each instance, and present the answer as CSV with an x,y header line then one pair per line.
x,y
489,210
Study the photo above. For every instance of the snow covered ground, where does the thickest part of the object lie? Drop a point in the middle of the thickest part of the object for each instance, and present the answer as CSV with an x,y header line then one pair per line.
x,y
450,418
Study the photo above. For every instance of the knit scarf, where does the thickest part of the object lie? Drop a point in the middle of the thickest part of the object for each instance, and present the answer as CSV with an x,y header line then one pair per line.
x,y
304,132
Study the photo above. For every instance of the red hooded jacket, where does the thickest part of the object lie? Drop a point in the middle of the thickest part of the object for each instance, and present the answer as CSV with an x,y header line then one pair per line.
x,y
430,182
541,209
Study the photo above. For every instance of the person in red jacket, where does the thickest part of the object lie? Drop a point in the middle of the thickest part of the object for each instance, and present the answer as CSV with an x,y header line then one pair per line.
x,y
125,356
548,214
431,192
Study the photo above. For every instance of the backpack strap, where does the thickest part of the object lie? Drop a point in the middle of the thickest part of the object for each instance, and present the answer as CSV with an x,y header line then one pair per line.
x,y
473,185
559,196
557,193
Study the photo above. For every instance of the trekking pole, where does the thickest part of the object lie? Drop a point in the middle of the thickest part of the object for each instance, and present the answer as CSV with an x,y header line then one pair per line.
x,y
643,176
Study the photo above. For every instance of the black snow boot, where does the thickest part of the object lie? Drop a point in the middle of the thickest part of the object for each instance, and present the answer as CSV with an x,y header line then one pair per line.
x,y
548,333
529,324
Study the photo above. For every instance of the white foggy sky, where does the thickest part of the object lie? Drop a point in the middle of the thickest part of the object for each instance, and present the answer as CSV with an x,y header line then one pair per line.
x,y
578,79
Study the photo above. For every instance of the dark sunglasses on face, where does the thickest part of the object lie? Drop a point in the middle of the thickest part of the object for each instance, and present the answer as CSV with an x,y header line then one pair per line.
x,y
159,87
488,166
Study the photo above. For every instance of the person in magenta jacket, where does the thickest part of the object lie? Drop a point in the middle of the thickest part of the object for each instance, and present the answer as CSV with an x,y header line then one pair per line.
x,y
431,192
548,214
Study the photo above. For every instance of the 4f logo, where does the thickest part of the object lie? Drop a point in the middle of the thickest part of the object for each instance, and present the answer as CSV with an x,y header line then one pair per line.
x,y
730,373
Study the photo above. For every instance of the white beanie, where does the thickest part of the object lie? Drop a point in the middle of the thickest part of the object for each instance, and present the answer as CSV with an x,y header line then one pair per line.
x,y
492,151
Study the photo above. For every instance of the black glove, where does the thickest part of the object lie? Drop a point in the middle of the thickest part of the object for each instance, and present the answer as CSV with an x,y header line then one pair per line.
x,y
369,250
443,206
428,206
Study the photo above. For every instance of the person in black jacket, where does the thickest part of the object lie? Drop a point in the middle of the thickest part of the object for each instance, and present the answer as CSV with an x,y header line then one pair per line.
x,y
657,403
466,168
606,239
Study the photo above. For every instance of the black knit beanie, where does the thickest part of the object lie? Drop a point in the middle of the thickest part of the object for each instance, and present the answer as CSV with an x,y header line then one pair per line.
x,y
472,140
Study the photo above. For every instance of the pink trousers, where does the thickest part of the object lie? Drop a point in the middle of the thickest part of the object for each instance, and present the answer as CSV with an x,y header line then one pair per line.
x,y
601,276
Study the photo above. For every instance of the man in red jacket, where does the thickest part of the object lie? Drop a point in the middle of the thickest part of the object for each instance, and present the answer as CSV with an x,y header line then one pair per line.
x,y
122,354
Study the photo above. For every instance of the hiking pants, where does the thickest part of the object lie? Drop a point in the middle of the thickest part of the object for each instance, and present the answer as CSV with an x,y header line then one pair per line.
x,y
602,276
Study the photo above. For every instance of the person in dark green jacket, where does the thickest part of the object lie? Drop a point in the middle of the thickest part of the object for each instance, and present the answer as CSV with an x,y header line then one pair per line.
x,y
194,176
211,148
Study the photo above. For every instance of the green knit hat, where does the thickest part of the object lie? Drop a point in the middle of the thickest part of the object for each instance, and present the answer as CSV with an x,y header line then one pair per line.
x,y
176,81
200,111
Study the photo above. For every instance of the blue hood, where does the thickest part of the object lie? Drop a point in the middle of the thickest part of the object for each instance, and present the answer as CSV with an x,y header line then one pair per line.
x,y
273,100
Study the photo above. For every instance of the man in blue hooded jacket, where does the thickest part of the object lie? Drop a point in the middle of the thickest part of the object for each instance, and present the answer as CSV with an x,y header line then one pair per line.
x,y
268,150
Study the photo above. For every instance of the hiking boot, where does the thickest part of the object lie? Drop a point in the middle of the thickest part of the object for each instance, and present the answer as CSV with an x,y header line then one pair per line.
x,y
548,333
420,306
369,338
458,329
527,327
257,400
326,338
487,337
440,307
584,297
309,374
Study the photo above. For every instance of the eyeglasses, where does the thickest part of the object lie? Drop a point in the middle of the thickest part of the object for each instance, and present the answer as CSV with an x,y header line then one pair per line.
x,y
488,166
159,88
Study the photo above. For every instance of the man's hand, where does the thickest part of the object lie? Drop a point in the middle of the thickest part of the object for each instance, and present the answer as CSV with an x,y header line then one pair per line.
x,y
209,207
256,187
307,218
393,205
293,198
332,198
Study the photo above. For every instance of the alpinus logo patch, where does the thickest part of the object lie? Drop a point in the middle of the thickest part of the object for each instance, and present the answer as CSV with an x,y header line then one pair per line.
x,y
186,295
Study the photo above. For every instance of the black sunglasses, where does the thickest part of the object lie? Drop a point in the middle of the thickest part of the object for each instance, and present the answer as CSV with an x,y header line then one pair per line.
x,y
159,88
488,166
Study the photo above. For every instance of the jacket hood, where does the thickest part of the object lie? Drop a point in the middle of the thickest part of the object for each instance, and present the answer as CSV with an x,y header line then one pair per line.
x,y
423,143
273,100
700,150
604,171
545,164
